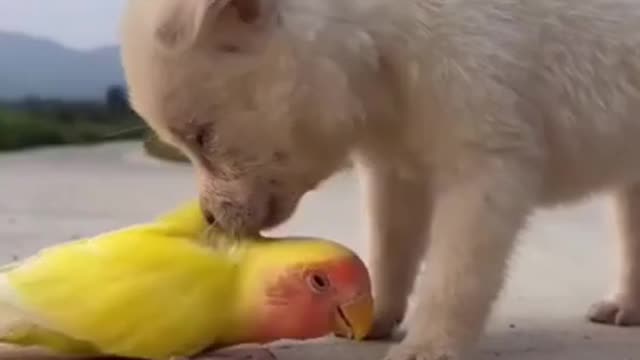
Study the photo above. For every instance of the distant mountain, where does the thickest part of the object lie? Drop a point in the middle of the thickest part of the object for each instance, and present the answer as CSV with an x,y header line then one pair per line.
x,y
33,66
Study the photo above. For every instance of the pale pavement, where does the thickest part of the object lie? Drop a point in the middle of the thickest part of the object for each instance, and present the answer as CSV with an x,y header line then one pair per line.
x,y
563,262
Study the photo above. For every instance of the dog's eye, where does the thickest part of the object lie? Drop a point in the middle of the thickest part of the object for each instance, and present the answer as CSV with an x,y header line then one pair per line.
x,y
201,138
229,48
280,156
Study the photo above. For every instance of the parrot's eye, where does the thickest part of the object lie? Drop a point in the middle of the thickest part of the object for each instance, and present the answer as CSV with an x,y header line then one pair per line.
x,y
318,282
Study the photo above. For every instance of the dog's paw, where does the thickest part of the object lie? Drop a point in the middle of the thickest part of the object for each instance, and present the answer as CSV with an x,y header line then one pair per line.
x,y
384,327
616,312
417,352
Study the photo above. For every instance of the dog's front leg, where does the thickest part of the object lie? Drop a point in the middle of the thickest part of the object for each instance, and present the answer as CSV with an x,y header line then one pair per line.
x,y
476,219
399,212
622,308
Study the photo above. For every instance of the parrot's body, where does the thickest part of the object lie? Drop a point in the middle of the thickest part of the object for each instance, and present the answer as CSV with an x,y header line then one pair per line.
x,y
156,291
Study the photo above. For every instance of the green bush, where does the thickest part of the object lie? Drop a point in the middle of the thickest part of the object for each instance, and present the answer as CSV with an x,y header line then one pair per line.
x,y
24,128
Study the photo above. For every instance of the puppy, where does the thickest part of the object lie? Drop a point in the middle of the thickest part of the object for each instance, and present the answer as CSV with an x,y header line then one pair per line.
x,y
463,116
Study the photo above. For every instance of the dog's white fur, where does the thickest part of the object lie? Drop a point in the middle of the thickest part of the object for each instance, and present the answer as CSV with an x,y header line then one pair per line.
x,y
463,115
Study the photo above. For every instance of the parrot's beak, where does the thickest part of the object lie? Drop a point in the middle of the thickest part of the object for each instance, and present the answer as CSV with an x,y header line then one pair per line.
x,y
354,319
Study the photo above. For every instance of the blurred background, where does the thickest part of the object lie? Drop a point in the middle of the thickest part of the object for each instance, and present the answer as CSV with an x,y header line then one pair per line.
x,y
60,76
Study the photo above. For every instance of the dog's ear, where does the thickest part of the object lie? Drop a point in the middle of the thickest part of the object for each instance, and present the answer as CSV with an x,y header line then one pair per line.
x,y
181,23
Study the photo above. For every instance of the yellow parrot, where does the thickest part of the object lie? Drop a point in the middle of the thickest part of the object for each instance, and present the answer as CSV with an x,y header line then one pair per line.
x,y
173,288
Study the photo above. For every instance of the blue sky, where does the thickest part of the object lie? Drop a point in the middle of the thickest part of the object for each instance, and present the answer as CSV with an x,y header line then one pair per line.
x,y
80,24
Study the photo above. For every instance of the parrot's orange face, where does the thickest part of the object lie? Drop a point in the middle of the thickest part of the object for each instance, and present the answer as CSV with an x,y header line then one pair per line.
x,y
314,300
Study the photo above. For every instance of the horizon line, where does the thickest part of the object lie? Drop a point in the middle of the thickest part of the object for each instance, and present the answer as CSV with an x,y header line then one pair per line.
x,y
58,42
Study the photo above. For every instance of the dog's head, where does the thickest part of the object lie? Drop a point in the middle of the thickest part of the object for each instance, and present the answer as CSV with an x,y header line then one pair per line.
x,y
262,120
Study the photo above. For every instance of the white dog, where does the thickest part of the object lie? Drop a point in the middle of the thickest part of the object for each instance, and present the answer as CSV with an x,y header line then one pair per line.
x,y
463,115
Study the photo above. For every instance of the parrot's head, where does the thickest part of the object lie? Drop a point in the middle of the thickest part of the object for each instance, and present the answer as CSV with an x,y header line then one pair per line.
x,y
303,289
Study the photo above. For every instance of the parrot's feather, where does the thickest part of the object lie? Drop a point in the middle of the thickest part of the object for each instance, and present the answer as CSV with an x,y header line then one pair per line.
x,y
216,239
10,317
188,221
129,293
36,336
18,328
9,267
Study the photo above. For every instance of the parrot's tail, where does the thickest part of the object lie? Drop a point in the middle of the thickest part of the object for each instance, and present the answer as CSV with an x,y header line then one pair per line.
x,y
18,328
8,267
10,317
9,321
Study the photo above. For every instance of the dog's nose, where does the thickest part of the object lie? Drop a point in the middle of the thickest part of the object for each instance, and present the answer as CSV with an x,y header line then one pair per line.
x,y
208,216
207,213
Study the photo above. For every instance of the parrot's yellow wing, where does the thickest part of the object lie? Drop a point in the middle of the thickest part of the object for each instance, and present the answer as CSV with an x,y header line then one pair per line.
x,y
187,221
140,292
30,335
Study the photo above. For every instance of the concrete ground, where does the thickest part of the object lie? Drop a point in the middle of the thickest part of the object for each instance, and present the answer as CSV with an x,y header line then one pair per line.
x,y
563,263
